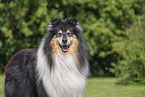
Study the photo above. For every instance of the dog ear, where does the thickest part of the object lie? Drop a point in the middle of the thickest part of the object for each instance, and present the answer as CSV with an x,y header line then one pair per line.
x,y
50,25
73,21
54,22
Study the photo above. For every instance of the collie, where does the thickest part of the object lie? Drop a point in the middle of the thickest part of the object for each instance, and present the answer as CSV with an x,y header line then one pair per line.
x,y
58,68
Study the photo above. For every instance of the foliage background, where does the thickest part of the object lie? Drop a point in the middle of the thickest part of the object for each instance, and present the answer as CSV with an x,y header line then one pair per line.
x,y
114,30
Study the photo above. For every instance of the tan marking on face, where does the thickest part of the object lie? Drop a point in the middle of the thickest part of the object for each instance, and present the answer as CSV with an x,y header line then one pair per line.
x,y
60,31
54,45
74,44
68,31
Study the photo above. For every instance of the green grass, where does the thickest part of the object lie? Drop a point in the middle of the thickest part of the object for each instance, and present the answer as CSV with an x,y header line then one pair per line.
x,y
2,85
103,87
107,87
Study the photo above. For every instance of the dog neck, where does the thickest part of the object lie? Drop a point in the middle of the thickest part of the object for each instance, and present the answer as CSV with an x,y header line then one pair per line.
x,y
63,79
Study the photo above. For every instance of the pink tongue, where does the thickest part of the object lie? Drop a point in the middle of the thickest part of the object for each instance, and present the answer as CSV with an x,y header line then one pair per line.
x,y
64,47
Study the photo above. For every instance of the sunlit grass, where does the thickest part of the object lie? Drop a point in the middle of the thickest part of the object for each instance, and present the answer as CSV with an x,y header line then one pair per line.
x,y
107,87
102,87
2,85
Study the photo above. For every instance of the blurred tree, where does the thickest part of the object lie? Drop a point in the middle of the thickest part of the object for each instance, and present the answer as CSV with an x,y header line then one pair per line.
x,y
23,23
132,48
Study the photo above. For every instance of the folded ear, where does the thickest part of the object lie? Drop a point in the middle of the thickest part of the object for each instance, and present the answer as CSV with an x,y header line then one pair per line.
x,y
73,21
54,22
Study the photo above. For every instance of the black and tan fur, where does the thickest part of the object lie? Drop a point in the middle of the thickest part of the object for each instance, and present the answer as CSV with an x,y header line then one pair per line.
x,y
58,68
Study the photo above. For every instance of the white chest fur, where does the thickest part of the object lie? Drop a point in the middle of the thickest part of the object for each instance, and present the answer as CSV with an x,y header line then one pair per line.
x,y
64,79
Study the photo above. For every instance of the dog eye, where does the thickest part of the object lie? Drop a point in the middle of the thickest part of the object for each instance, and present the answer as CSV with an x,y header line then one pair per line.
x,y
59,33
69,33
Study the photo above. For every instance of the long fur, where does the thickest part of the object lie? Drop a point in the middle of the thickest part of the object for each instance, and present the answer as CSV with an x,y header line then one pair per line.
x,y
47,72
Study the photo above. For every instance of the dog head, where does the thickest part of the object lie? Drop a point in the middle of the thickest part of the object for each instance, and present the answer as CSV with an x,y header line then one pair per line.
x,y
64,39
65,35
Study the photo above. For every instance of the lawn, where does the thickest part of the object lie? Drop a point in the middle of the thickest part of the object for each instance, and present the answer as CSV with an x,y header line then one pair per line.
x,y
104,87
2,85
107,87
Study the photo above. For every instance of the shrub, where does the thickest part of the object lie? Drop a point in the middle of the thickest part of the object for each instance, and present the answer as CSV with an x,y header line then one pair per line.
x,y
132,48
24,22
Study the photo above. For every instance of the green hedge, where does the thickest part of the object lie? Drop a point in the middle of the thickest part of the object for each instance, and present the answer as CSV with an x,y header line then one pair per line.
x,y
24,22
132,48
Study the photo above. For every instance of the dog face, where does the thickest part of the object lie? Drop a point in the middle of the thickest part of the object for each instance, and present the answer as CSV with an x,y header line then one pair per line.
x,y
64,42
65,36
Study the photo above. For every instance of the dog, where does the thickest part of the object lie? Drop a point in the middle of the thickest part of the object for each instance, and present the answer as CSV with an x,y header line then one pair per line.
x,y
58,68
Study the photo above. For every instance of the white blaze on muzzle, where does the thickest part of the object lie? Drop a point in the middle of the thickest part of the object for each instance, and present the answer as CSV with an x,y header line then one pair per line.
x,y
64,45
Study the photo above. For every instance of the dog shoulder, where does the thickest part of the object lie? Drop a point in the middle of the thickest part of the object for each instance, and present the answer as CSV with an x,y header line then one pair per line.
x,y
20,62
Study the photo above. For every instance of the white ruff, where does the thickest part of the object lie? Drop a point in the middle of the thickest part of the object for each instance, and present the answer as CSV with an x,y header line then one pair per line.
x,y
64,79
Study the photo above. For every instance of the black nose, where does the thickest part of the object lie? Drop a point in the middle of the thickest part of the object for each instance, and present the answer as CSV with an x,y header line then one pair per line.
x,y
64,40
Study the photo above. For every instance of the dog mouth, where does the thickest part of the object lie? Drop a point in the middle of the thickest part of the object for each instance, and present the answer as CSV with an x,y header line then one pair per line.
x,y
64,48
